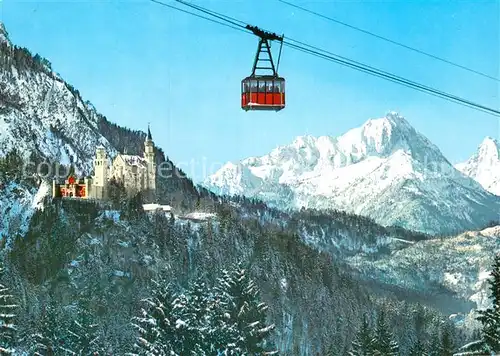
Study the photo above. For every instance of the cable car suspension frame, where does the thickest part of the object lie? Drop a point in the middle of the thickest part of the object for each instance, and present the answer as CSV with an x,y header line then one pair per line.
x,y
265,47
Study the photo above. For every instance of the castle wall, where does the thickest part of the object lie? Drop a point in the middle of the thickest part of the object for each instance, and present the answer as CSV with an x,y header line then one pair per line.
x,y
135,178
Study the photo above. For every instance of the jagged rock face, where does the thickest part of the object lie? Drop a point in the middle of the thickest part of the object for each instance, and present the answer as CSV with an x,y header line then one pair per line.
x,y
42,114
384,169
484,165
4,36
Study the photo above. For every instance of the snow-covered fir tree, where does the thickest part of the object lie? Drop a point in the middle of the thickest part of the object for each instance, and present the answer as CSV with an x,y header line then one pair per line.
x,y
191,312
246,313
383,341
446,348
227,320
418,349
362,345
156,324
82,336
224,332
490,319
46,340
7,327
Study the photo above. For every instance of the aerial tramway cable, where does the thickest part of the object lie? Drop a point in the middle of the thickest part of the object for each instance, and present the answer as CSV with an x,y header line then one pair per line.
x,y
390,41
324,54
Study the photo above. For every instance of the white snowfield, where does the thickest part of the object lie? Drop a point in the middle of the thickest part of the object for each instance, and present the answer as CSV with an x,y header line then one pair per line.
x,y
197,216
156,207
384,169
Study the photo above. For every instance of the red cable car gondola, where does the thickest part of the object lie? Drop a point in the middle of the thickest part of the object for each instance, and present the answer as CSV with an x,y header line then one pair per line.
x,y
263,91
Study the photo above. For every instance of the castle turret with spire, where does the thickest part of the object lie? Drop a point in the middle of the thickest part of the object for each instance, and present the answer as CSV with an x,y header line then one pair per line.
x,y
149,156
136,173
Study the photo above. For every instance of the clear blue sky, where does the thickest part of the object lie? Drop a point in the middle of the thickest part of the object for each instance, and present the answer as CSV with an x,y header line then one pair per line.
x,y
137,61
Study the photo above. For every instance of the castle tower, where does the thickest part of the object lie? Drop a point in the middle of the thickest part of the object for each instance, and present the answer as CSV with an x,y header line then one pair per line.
x,y
54,188
100,179
149,155
88,187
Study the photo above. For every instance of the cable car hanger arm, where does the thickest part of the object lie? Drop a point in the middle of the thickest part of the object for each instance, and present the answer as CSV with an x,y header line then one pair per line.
x,y
265,48
265,35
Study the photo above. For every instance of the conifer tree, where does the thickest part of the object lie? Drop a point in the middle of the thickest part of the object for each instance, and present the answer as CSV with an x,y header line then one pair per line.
x,y
446,348
7,327
184,336
384,344
193,312
82,336
223,331
331,350
45,339
490,319
362,345
434,343
156,325
418,349
246,313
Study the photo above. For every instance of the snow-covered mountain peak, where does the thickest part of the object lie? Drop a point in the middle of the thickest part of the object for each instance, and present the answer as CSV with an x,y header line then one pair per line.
x,y
489,149
304,141
382,137
484,165
384,169
4,35
384,126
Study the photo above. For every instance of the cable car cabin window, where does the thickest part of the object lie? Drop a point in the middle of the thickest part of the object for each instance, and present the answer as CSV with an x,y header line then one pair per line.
x,y
269,92
262,86
270,86
261,97
253,86
277,87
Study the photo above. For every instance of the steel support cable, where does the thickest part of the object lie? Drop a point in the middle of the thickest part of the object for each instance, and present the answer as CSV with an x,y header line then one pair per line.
x,y
318,52
390,41
401,81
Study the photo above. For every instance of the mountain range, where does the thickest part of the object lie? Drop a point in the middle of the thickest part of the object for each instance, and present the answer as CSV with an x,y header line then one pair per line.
x,y
384,170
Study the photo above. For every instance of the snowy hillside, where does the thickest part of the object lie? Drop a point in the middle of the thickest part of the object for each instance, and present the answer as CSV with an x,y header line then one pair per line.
x,y
17,205
42,118
41,114
484,165
384,169
461,264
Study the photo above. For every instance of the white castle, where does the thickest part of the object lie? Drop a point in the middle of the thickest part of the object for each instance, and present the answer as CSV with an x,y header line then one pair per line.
x,y
136,173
